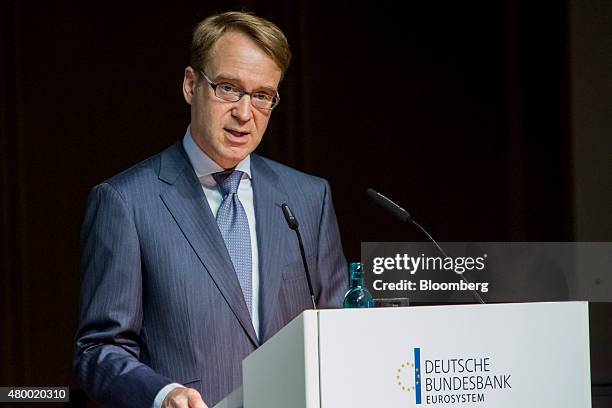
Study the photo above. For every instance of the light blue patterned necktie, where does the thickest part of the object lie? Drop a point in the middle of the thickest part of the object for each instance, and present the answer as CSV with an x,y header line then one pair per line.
x,y
234,226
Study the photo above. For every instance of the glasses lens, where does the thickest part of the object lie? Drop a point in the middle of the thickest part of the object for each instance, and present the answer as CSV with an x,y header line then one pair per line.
x,y
263,100
228,92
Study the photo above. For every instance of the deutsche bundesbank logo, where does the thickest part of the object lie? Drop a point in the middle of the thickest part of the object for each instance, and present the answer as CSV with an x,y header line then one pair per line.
x,y
409,376
452,378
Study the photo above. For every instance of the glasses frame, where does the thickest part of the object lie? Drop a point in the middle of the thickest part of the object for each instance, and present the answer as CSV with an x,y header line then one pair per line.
x,y
242,93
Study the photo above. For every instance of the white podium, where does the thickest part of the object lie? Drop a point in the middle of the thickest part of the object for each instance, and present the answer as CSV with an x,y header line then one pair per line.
x,y
497,355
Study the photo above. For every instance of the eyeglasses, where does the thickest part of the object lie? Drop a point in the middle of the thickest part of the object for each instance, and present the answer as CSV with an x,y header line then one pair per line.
x,y
231,93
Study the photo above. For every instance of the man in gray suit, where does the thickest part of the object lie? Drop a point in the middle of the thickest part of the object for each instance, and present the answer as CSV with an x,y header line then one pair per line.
x,y
188,264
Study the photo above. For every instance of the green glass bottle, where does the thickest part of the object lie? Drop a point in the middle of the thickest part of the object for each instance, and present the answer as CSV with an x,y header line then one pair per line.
x,y
358,295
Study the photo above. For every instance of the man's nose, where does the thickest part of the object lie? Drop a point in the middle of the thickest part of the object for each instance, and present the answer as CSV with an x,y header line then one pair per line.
x,y
242,109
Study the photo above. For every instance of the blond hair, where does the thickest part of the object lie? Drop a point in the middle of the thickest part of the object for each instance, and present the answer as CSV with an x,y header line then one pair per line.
x,y
263,32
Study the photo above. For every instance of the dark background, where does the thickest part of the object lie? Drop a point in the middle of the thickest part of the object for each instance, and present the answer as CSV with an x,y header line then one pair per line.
x,y
488,120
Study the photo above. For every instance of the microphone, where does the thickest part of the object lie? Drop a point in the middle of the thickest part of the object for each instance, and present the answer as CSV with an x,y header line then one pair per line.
x,y
404,216
293,223
389,205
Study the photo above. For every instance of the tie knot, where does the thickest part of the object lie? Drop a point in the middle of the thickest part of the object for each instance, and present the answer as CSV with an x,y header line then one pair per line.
x,y
228,181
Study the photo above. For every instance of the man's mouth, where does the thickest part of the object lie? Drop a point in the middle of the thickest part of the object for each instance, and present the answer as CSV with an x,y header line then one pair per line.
x,y
236,133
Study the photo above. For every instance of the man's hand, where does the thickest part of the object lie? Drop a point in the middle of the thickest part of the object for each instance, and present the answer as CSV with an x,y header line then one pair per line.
x,y
184,398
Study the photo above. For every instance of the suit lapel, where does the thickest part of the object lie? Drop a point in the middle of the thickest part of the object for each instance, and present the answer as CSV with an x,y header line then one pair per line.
x,y
271,226
187,203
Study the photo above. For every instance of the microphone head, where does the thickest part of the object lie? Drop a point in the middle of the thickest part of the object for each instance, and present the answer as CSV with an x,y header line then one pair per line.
x,y
389,205
292,222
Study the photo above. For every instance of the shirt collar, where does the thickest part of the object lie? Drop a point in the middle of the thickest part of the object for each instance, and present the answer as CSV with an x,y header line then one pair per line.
x,y
203,165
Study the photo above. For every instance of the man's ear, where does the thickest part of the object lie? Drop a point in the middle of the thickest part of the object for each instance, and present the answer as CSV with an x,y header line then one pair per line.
x,y
189,84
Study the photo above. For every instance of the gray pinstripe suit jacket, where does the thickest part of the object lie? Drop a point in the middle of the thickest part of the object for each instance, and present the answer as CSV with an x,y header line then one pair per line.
x,y
160,301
